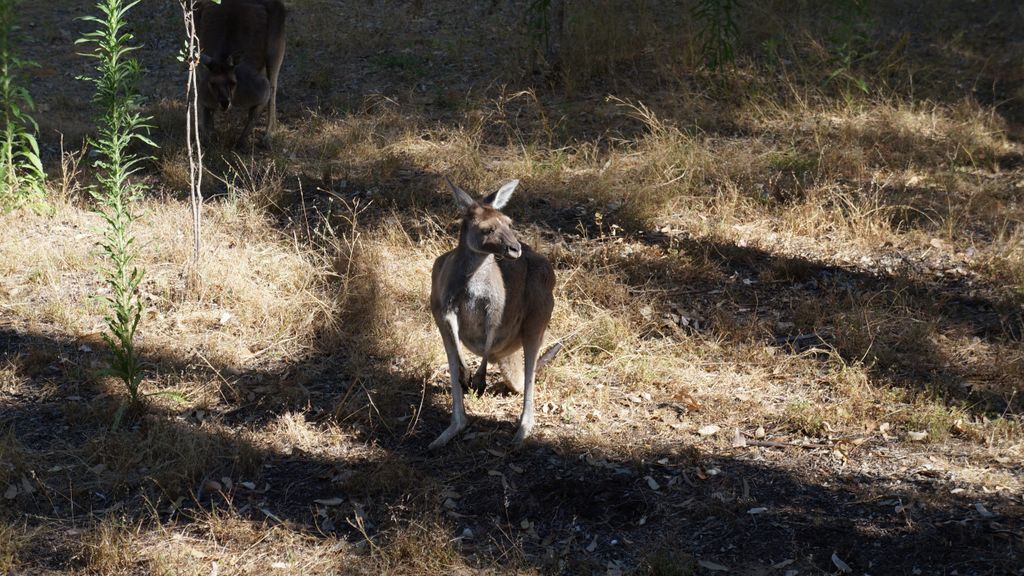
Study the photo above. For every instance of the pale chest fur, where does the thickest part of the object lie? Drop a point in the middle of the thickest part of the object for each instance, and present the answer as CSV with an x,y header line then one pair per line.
x,y
482,305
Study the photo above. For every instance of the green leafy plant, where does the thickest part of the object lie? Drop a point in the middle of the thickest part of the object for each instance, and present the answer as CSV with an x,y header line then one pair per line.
x,y
850,48
717,30
21,170
537,22
120,126
544,19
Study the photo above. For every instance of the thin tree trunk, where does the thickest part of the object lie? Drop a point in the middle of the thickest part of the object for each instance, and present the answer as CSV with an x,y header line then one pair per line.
x,y
193,144
555,31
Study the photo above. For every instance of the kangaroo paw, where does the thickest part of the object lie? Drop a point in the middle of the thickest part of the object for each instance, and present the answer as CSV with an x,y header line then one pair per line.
x,y
479,383
452,431
525,427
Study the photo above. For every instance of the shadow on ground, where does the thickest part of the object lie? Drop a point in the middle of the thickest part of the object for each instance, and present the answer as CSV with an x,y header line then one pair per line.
x,y
562,506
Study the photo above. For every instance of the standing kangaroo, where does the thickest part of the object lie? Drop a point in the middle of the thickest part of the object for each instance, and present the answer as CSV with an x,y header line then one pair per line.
x,y
241,45
495,295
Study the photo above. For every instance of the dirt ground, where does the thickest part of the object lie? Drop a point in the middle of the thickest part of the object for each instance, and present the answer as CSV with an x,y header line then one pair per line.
x,y
792,310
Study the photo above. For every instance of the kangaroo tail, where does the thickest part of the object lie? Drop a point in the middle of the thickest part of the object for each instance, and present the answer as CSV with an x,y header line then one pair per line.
x,y
549,354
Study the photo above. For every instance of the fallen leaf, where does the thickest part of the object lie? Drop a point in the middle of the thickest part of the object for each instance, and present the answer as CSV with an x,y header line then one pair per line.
x,y
689,401
12,492
917,436
330,501
225,318
714,567
709,430
843,566
248,485
738,439
758,510
982,510
593,545
782,564
652,483
212,486
271,515
759,433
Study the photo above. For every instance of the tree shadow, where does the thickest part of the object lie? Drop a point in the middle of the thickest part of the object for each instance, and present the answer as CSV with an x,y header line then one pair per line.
x,y
892,318
902,319
566,507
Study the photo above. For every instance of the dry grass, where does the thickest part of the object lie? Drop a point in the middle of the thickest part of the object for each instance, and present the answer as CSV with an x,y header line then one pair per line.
x,y
15,541
760,250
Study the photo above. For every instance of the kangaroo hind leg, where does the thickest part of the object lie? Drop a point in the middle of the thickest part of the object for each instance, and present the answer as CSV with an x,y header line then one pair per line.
x,y
512,369
449,329
275,56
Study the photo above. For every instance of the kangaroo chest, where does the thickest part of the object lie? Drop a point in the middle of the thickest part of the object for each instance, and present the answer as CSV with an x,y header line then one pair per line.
x,y
481,309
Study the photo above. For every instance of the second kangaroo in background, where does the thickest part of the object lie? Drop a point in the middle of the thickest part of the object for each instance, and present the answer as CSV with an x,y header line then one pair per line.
x,y
495,295
241,46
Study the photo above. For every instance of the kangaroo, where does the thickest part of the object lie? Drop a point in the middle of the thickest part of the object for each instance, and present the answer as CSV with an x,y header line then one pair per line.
x,y
495,295
241,45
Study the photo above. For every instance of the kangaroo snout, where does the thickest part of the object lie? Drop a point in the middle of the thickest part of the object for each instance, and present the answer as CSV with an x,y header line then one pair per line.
x,y
225,105
513,251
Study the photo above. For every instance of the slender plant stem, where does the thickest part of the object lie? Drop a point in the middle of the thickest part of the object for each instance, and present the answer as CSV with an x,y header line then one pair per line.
x,y
120,126
193,143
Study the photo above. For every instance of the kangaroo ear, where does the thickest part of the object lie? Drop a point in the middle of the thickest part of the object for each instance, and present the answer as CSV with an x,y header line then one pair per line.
x,y
499,199
205,60
461,198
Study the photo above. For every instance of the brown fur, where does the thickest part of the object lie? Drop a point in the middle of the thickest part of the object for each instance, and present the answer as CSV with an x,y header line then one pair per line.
x,y
495,296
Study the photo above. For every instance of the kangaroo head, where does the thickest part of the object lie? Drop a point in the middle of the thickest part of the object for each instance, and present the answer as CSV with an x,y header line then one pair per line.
x,y
220,78
485,229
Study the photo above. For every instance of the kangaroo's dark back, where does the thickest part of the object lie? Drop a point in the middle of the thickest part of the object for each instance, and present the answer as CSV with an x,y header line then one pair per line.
x,y
242,46
237,28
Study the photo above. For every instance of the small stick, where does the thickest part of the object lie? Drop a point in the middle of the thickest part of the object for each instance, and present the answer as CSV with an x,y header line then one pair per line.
x,y
773,444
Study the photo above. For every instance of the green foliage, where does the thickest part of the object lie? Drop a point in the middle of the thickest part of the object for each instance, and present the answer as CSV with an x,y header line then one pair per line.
x,y
120,126
717,32
21,170
537,22
850,48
